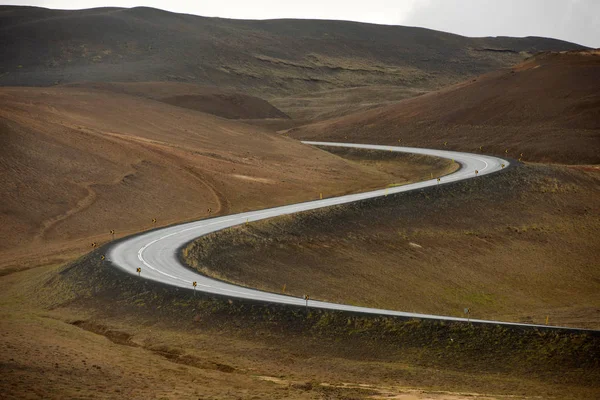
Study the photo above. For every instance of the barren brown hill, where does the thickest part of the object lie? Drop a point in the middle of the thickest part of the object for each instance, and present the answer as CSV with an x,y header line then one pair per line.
x,y
76,163
212,100
306,108
519,245
45,47
547,108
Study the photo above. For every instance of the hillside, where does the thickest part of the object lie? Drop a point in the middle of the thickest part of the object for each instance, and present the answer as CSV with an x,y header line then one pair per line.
x,y
546,108
212,100
76,163
514,246
274,57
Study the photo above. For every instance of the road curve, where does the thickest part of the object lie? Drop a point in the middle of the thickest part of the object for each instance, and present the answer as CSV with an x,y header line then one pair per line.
x,y
156,252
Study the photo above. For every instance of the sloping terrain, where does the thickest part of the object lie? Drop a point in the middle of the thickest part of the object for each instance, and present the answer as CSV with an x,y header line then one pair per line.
x,y
309,107
547,108
76,163
84,155
46,47
212,100
92,330
519,246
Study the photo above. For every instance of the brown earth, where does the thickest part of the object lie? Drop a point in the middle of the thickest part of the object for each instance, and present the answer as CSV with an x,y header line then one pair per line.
x,y
518,246
211,100
270,58
94,331
77,162
308,107
547,108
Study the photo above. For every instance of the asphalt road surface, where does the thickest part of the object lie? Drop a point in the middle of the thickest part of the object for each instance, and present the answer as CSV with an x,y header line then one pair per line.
x,y
156,252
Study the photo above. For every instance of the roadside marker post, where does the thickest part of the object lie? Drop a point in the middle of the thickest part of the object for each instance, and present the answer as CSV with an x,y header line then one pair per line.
x,y
247,221
283,288
321,195
445,143
438,180
476,172
112,232
547,318
467,311
154,220
102,257
194,283
139,271
306,299
502,165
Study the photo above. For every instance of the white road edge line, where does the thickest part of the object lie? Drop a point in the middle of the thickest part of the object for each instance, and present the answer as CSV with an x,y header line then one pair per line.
x,y
157,250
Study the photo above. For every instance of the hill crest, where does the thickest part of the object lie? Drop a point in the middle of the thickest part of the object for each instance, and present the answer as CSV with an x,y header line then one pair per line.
x,y
47,47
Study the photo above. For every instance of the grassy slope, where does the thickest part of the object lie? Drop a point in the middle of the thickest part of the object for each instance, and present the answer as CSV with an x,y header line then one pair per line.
x,y
516,246
44,47
108,334
321,105
546,108
78,162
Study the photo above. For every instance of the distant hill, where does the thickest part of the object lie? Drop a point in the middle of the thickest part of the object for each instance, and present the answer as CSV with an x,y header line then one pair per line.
x,y
77,162
211,100
547,108
275,57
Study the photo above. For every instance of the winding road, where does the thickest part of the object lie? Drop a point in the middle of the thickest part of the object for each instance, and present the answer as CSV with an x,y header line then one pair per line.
x,y
156,252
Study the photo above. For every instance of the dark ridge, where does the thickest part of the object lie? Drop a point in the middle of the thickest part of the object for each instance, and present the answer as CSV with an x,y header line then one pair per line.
x,y
46,47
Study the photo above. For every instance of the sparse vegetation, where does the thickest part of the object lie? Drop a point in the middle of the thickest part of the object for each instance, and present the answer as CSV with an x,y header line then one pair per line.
x,y
498,245
265,58
112,331
120,139
544,110
78,162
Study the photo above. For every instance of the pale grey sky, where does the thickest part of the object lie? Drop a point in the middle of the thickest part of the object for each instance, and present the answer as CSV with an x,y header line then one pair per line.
x,y
572,20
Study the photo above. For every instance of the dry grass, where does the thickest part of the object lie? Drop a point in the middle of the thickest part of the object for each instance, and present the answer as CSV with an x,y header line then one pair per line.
x,y
92,331
77,162
334,103
517,246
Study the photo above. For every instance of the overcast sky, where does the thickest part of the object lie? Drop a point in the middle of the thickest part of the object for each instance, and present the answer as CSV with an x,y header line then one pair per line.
x,y
572,20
